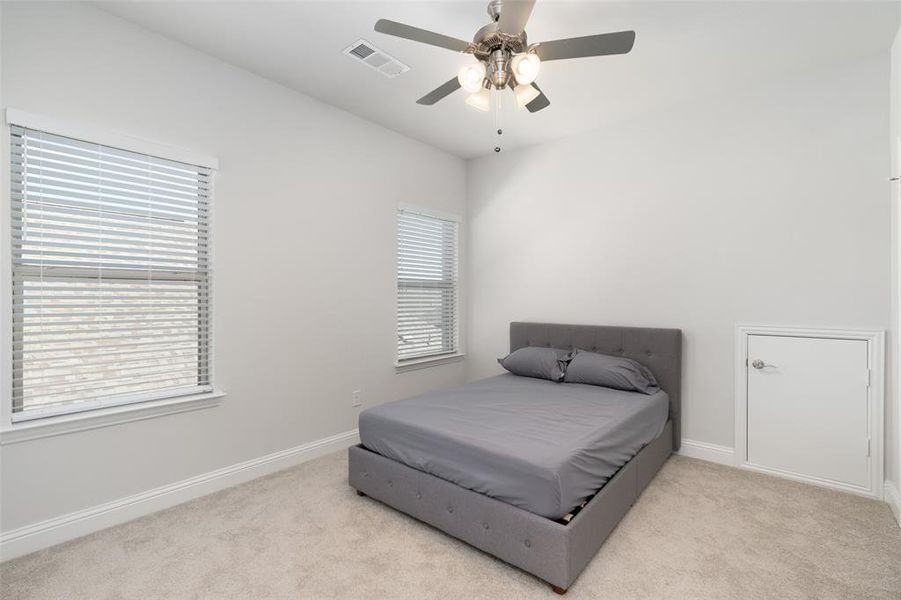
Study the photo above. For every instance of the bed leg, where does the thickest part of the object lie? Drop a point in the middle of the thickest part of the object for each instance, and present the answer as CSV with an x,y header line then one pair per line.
x,y
359,493
558,590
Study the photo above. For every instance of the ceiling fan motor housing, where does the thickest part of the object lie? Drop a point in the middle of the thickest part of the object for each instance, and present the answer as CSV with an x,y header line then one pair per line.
x,y
489,38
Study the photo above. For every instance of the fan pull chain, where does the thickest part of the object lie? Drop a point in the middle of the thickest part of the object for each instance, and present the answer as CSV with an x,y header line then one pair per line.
x,y
497,118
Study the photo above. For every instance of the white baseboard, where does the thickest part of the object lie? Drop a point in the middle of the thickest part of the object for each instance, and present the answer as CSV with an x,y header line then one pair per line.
x,y
31,538
874,492
726,456
723,455
893,497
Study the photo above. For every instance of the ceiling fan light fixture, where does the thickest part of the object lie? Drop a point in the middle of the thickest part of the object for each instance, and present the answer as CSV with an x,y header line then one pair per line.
x,y
525,67
480,100
505,57
524,94
471,77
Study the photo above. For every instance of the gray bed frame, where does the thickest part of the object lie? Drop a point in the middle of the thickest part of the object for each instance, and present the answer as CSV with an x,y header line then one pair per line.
x,y
551,550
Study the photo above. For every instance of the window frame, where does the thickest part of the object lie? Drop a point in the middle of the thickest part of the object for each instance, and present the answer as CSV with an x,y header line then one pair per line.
x,y
13,428
456,353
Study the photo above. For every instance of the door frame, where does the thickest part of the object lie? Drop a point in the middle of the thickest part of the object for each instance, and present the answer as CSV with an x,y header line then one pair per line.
x,y
891,492
876,401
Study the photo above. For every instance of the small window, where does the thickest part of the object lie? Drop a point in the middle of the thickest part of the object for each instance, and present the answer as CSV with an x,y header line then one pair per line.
x,y
426,286
111,276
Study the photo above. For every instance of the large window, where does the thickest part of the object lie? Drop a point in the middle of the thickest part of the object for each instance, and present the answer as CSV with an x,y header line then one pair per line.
x,y
426,286
111,278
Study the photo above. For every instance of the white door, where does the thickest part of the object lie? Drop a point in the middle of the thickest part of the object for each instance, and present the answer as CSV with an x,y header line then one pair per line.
x,y
808,407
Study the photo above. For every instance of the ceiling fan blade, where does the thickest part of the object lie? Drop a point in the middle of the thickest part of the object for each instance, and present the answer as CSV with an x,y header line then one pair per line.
x,y
420,35
602,44
440,92
515,15
539,102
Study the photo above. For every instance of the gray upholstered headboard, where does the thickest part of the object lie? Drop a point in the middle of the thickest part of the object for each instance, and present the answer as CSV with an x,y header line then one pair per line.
x,y
660,350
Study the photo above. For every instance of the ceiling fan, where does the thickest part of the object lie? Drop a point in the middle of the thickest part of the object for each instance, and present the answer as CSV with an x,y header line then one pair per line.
x,y
505,58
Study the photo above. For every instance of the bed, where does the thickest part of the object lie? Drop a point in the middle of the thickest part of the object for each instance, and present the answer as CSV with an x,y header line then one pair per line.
x,y
534,472
536,444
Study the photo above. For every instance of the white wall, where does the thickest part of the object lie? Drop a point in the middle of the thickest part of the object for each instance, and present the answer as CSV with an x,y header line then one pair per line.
x,y
766,207
893,416
304,226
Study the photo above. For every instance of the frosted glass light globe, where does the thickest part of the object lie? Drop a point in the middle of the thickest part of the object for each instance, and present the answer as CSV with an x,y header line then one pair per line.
x,y
480,100
525,67
471,77
524,94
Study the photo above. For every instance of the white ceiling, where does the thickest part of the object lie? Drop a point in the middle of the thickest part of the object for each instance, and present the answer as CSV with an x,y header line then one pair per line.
x,y
682,51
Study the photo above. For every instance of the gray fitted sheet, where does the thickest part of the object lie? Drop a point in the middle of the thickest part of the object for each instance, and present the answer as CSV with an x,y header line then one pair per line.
x,y
539,445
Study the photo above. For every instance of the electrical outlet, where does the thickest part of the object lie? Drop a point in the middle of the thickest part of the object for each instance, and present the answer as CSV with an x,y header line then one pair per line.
x,y
356,400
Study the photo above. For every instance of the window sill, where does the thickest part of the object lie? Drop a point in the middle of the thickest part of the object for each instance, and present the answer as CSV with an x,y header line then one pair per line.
x,y
424,363
63,424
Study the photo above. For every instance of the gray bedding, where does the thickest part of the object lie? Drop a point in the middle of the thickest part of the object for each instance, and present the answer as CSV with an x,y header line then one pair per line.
x,y
539,445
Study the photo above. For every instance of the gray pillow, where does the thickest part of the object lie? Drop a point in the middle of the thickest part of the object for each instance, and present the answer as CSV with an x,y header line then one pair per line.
x,y
543,363
614,372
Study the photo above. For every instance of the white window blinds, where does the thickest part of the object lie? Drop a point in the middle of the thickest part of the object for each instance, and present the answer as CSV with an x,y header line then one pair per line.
x,y
426,286
111,276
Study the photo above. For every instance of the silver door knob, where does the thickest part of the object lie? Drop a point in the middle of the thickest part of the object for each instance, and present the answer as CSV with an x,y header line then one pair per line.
x,y
759,364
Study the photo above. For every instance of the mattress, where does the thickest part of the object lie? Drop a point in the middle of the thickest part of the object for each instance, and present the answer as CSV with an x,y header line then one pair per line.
x,y
542,446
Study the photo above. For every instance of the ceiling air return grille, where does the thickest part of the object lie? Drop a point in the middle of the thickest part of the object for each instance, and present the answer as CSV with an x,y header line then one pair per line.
x,y
372,57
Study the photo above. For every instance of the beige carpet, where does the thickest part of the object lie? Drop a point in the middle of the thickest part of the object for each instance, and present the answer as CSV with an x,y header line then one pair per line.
x,y
699,531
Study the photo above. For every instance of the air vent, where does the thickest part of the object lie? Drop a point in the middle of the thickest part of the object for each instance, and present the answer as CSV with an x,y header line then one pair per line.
x,y
372,57
361,51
